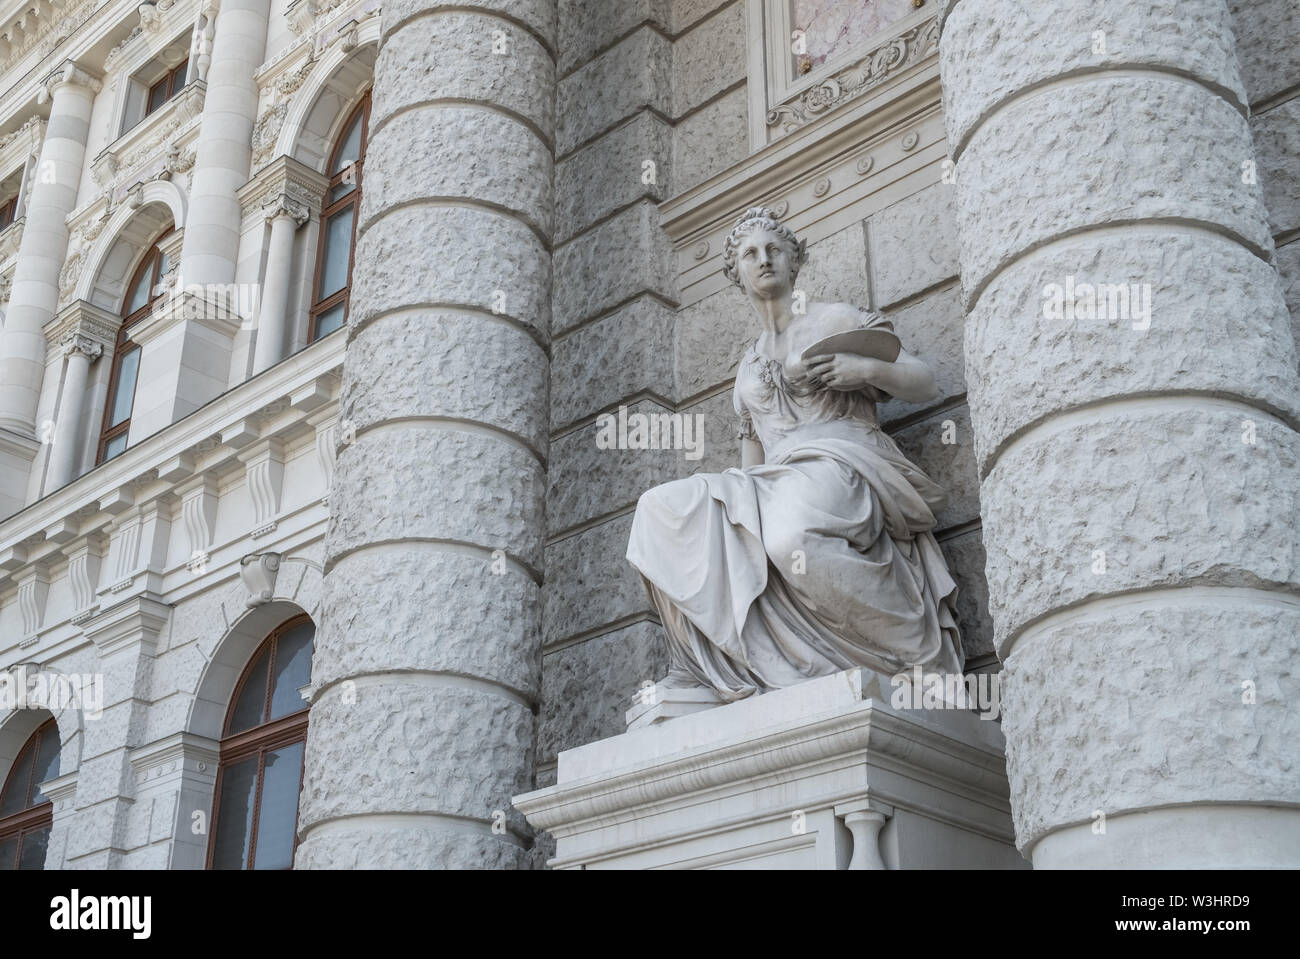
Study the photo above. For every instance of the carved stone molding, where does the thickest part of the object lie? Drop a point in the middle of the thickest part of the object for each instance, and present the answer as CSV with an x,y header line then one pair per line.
x,y
68,73
152,149
872,70
82,322
41,25
285,204
284,186
76,343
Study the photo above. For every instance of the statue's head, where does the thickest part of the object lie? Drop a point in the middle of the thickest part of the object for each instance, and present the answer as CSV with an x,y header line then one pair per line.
x,y
761,255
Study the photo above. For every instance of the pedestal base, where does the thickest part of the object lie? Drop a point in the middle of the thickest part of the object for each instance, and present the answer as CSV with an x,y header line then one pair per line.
x,y
824,775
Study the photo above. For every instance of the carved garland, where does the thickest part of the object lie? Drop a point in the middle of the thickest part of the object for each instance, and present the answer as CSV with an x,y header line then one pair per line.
x,y
910,47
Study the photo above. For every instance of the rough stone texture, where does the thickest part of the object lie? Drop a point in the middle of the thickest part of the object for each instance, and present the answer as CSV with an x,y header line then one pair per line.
x,y
1171,493
618,356
453,365
450,57
1288,264
587,482
932,329
433,747
994,49
590,583
1268,45
1013,197
634,74
1223,331
951,465
611,173
836,271
587,688
538,16
1277,148
496,642
434,495
711,339
589,26
427,155
687,12
965,555
478,253
622,257
708,58
710,140
913,245
1168,726
377,846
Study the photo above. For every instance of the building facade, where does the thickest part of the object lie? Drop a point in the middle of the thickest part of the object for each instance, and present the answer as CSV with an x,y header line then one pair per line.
x,y
309,553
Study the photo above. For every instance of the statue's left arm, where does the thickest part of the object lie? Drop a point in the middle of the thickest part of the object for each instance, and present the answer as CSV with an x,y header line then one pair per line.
x,y
907,378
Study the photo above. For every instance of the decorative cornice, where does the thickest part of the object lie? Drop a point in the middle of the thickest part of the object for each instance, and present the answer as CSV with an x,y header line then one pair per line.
x,y
76,343
84,320
43,24
875,68
283,180
284,204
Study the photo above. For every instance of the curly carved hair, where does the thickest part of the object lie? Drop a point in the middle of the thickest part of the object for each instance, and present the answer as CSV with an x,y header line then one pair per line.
x,y
760,218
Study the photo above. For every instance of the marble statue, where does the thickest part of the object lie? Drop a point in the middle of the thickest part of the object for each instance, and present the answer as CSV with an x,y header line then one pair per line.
x,y
818,553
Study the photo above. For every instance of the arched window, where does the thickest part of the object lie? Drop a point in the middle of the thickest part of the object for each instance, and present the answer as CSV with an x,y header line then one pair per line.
x,y
259,774
25,814
136,305
338,229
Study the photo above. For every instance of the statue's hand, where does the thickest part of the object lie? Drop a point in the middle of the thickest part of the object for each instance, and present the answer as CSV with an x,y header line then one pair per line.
x,y
845,371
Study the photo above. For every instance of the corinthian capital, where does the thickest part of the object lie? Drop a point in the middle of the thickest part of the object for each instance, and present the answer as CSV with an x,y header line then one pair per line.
x,y
68,72
283,203
77,343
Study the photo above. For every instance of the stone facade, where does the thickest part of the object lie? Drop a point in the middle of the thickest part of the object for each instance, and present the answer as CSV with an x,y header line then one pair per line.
x,y
546,188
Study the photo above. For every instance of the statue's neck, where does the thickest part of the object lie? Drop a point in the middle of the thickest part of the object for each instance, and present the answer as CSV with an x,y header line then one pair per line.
x,y
776,315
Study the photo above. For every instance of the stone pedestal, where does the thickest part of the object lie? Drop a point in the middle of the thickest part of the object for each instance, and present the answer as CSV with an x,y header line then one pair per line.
x,y
824,775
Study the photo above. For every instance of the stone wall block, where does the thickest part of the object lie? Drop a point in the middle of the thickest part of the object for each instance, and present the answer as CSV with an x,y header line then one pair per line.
x,y
589,581
454,256
431,495
463,56
1015,195
710,140
709,58
1137,662
1277,146
625,255
454,365
611,172
913,245
1224,332
995,49
430,154
1268,45
1171,494
634,74
951,465
628,352
589,26
480,623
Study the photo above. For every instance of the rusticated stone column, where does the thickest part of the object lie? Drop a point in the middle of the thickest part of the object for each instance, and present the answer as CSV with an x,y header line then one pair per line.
x,y
1140,480
427,662
41,253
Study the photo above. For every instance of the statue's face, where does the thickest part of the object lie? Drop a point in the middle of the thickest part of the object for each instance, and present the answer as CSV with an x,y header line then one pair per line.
x,y
765,263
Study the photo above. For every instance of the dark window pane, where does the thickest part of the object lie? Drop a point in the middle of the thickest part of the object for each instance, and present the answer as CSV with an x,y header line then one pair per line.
x,y
8,854
338,250
33,852
250,710
114,447
124,393
292,670
331,320
47,763
157,96
235,815
342,189
15,794
279,810
139,294
163,265
178,77
349,146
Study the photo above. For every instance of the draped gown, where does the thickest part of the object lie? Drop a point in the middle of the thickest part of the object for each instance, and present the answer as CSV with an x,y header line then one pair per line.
x,y
820,559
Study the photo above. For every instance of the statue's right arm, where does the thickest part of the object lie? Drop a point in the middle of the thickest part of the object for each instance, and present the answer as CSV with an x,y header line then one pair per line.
x,y
751,453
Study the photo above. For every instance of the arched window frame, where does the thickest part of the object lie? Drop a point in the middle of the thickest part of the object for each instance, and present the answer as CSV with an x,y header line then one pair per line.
x,y
152,266
34,817
352,173
263,738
